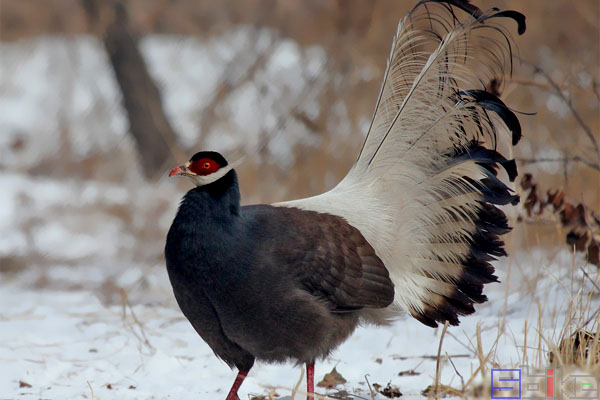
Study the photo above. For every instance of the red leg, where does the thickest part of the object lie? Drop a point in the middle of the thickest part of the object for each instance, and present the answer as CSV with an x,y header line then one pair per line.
x,y
236,385
310,380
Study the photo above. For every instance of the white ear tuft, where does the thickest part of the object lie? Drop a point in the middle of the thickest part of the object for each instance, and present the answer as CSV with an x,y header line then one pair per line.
x,y
201,180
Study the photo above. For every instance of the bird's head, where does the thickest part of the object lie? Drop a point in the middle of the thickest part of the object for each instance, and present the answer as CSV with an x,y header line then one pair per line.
x,y
204,167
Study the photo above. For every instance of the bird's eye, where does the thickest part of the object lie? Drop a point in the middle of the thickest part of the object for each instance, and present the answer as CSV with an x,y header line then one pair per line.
x,y
204,166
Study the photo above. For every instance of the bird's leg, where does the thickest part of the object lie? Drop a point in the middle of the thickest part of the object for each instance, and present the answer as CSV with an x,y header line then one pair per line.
x,y
310,380
236,385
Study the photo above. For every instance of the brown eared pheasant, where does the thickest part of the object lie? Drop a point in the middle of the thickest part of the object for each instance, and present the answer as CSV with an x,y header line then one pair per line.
x,y
412,228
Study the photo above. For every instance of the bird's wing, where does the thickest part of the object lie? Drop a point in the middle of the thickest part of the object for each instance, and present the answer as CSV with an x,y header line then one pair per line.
x,y
329,257
424,190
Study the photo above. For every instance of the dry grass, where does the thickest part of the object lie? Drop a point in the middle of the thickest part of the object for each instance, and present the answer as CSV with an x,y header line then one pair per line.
x,y
572,348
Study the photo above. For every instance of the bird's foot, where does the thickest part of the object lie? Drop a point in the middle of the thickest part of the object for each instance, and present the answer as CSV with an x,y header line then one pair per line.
x,y
236,385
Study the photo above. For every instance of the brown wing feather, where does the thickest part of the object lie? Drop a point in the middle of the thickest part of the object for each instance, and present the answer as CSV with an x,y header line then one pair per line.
x,y
333,260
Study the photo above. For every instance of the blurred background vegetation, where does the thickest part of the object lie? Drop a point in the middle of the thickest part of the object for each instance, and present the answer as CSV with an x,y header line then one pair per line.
x,y
100,99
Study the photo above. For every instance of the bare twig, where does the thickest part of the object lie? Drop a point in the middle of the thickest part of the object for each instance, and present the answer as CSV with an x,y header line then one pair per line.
x,y
437,364
548,86
143,338
525,343
227,85
462,380
559,93
91,389
579,159
430,357
297,384
596,88
590,278
590,319
370,388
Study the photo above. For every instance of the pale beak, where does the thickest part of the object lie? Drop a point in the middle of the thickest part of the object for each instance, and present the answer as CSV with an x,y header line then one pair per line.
x,y
180,170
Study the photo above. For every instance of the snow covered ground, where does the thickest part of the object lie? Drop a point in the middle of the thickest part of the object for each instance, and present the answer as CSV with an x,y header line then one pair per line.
x,y
67,343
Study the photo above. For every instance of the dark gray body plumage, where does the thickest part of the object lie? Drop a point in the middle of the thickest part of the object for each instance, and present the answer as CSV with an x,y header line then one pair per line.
x,y
270,283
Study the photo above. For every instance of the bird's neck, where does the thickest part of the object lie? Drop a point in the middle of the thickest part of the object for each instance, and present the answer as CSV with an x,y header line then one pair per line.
x,y
219,200
206,225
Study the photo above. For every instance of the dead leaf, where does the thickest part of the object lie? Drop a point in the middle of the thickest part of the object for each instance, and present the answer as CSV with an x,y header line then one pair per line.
x,y
23,384
593,252
531,200
332,379
445,391
410,372
573,215
583,224
18,144
577,240
391,391
526,181
556,198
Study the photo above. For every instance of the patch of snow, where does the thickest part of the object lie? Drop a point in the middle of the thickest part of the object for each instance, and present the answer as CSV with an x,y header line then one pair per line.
x,y
556,105
59,342
550,153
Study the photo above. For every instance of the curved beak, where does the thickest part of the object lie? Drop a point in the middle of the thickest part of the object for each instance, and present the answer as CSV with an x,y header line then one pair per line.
x,y
180,170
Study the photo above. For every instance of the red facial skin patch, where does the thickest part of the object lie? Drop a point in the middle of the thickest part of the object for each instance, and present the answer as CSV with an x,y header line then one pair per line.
x,y
204,166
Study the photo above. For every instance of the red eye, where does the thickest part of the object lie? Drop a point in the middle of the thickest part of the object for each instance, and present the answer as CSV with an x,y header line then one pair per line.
x,y
204,166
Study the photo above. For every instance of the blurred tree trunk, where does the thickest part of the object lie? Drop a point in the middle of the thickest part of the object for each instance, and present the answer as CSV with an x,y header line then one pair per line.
x,y
155,138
